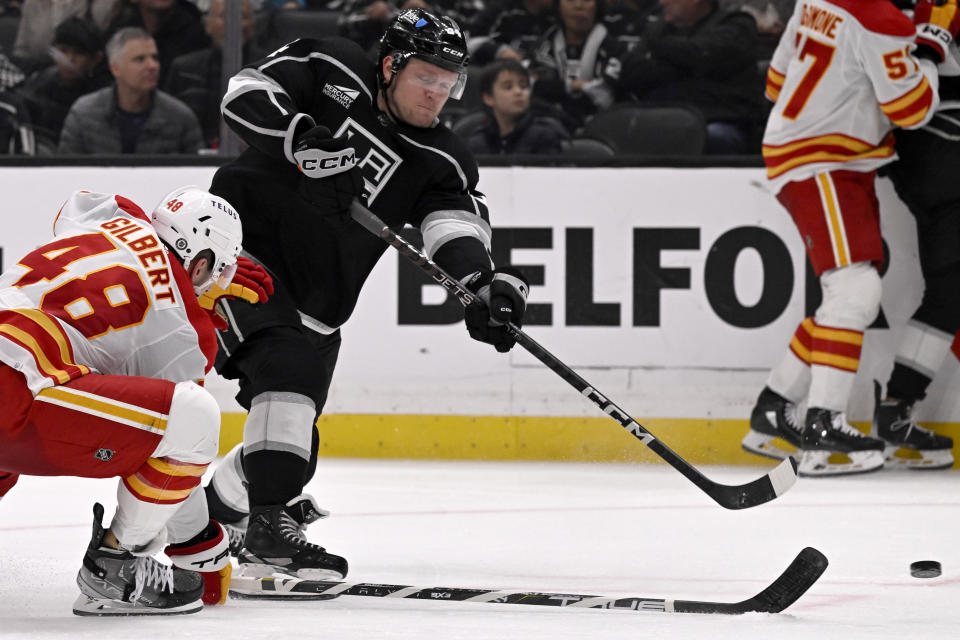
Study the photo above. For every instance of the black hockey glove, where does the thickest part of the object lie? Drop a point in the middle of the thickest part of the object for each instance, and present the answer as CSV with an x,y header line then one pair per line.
x,y
504,295
331,179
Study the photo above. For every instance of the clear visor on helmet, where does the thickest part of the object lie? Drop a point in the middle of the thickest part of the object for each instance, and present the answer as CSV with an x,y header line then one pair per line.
x,y
442,81
221,276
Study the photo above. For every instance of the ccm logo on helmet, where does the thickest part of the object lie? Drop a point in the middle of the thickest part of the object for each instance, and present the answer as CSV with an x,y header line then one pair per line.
x,y
454,52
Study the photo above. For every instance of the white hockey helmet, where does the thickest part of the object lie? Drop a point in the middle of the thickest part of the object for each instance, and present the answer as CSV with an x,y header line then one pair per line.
x,y
190,219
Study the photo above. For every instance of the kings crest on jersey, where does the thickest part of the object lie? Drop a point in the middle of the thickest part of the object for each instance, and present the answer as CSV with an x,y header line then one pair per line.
x,y
103,296
424,177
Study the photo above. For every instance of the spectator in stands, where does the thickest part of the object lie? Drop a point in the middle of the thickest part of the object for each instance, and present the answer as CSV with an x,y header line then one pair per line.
x,y
176,27
40,18
363,21
78,69
699,55
10,8
626,19
576,64
511,126
131,116
16,132
771,17
508,29
195,78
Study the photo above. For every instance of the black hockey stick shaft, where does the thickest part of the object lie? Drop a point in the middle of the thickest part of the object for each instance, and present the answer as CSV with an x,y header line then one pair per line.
x,y
756,492
802,573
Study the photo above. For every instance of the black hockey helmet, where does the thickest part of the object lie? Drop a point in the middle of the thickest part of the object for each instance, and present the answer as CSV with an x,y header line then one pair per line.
x,y
419,33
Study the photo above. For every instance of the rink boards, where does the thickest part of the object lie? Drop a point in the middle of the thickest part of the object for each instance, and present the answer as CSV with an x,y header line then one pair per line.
x,y
672,291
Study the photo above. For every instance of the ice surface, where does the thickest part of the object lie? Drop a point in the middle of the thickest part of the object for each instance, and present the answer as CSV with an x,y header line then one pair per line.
x,y
627,530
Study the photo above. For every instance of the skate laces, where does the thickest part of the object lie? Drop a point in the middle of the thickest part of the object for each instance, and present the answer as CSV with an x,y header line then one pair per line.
x,y
790,416
839,422
235,536
908,424
150,573
294,532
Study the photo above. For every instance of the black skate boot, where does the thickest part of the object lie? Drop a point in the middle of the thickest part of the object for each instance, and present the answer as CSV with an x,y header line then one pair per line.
x,y
831,447
908,444
114,582
773,424
275,544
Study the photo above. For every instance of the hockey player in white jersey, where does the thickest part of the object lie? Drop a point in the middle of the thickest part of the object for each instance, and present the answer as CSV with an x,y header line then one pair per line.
x,y
844,75
103,339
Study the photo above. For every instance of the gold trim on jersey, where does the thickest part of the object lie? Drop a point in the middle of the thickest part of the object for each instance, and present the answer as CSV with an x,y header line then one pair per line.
x,y
107,408
831,209
833,147
142,489
775,81
911,107
29,341
179,469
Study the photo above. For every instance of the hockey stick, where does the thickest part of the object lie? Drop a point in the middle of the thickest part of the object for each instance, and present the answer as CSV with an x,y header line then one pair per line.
x,y
805,569
758,491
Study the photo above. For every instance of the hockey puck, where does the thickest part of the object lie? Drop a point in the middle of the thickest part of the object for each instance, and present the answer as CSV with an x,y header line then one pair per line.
x,y
925,569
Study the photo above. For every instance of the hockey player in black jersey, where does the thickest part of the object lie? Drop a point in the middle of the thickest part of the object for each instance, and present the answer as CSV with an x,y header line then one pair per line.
x,y
324,125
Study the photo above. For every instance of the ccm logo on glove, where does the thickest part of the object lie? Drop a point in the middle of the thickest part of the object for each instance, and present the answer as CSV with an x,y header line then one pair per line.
x,y
320,155
316,163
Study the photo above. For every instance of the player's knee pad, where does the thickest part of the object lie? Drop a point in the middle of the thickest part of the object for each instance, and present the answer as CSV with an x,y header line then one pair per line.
x,y
851,297
280,421
193,426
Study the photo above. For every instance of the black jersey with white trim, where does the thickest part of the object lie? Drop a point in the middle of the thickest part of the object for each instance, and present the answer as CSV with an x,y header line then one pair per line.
x,y
424,177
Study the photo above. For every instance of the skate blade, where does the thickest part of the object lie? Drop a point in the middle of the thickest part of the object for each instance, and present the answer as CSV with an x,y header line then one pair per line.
x,y
919,460
249,588
768,446
262,570
86,606
819,464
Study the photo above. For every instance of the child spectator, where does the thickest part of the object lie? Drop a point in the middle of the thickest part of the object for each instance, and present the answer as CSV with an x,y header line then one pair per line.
x,y
511,126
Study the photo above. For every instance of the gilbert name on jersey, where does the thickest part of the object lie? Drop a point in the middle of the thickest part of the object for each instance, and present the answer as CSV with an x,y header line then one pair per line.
x,y
103,296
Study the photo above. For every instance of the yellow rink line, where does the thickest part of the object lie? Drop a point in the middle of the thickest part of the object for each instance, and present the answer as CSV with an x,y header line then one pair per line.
x,y
443,437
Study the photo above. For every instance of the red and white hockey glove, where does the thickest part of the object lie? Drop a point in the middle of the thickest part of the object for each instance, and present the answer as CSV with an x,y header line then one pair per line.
x,y
938,22
207,553
251,282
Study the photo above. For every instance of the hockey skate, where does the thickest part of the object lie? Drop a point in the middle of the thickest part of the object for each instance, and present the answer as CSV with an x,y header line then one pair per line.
x,y
275,547
775,430
907,444
114,582
831,447
236,532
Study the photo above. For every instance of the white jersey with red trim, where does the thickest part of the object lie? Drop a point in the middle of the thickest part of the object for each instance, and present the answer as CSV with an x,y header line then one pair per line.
x,y
103,296
842,76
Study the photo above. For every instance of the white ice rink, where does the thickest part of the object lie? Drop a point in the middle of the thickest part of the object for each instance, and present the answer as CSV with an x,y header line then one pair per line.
x,y
628,530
